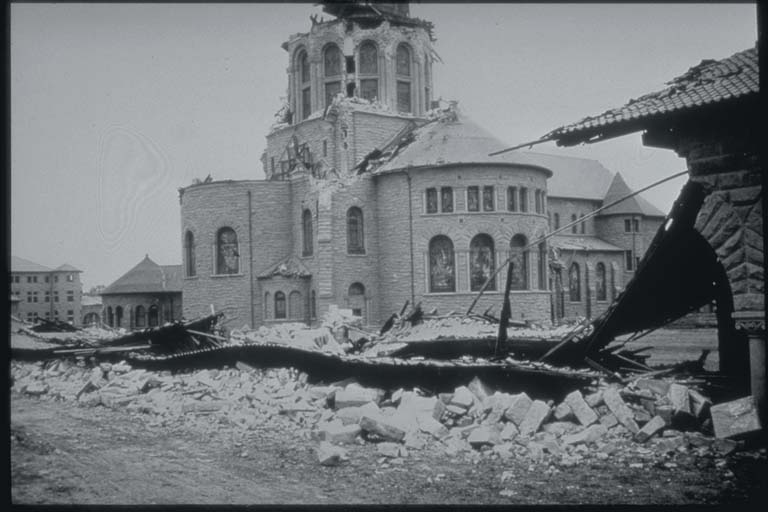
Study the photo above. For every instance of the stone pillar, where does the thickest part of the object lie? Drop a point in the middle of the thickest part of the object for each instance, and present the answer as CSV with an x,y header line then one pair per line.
x,y
752,323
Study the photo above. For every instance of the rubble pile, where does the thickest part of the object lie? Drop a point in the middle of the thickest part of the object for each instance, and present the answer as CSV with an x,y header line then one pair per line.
x,y
648,421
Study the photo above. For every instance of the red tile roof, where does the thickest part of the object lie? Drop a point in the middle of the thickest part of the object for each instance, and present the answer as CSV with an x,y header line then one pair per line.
x,y
707,83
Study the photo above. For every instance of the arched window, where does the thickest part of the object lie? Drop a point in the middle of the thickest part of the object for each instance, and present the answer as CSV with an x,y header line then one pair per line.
x,y
294,306
481,262
355,240
512,199
119,316
442,265
600,290
227,252
356,299
304,85
332,72
266,306
369,71
153,316
557,220
403,78
279,305
141,316
306,224
313,305
575,227
574,282
110,317
519,262
189,254
543,266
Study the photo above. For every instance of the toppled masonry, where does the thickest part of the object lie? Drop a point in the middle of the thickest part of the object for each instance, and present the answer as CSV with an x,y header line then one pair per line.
x,y
648,420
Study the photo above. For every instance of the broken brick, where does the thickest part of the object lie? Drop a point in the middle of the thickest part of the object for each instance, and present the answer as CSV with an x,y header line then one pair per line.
x,y
382,427
518,408
699,403
653,427
483,435
479,389
736,417
562,411
594,399
609,420
589,435
509,432
658,387
537,413
620,409
581,410
462,397
340,434
355,395
678,397
431,426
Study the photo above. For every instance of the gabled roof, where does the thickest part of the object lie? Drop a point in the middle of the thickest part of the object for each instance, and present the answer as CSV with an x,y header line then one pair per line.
x,y
582,243
634,205
147,277
577,178
22,265
710,82
66,268
288,267
453,139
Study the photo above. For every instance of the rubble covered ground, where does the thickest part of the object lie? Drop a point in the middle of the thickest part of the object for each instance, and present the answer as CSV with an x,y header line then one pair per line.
x,y
90,432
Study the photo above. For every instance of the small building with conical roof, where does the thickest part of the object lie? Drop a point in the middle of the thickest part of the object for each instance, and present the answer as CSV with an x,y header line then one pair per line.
x,y
147,295
375,194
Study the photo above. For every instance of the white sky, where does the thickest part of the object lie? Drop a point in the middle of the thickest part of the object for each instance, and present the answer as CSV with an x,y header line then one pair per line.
x,y
116,106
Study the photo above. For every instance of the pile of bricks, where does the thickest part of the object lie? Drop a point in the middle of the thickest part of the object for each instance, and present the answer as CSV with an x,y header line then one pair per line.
x,y
646,419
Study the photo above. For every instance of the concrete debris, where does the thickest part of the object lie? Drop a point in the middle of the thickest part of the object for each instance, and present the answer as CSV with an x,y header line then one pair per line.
x,y
473,419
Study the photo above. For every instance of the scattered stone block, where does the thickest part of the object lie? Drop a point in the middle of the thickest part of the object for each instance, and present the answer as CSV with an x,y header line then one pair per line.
x,y
666,412
590,434
734,418
509,432
658,387
518,408
330,455
609,420
355,395
594,399
560,428
668,444
562,412
653,427
535,451
413,405
382,427
724,447
431,426
483,435
649,404
464,421
445,397
340,434
479,389
414,440
456,410
504,451
349,415
439,410
462,397
678,397
620,409
537,413
581,410
700,404
641,416
391,450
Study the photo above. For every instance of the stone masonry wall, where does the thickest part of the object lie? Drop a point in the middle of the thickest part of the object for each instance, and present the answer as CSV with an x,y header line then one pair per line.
x,y
611,229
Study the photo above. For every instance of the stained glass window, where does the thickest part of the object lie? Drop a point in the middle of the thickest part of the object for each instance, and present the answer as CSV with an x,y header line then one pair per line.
x,y
403,60
488,199
304,67
279,305
519,262
574,283
600,282
431,200
512,199
227,252
442,265
446,199
481,262
523,199
473,199
332,60
403,96
369,59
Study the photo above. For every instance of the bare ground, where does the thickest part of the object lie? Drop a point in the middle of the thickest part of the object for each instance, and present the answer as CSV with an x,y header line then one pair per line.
x,y
65,453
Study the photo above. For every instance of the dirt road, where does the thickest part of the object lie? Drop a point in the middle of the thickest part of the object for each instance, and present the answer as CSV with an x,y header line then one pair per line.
x,y
65,453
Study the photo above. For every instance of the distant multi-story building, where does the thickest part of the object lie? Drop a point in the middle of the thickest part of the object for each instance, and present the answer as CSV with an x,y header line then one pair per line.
x,y
43,292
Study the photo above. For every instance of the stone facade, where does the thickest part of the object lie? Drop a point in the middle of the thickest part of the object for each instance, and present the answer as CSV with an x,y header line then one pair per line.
x,y
343,216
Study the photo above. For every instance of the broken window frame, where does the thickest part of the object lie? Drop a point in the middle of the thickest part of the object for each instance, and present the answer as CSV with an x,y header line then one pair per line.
x,y
368,72
332,78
